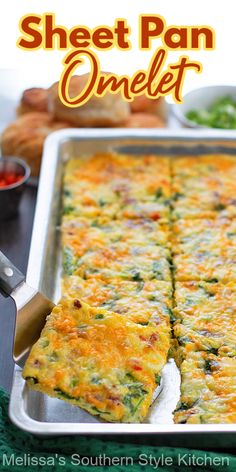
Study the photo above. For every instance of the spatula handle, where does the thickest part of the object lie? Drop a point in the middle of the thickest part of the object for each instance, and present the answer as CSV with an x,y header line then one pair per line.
x,y
10,276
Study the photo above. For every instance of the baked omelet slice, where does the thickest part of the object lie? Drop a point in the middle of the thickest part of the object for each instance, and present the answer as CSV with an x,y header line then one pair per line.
x,y
113,169
205,249
131,208
205,318
204,187
118,260
83,233
217,236
111,185
141,301
212,336
208,389
204,165
203,265
202,205
98,360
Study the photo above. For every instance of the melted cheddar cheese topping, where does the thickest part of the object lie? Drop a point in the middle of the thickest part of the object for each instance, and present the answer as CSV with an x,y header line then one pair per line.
x,y
147,241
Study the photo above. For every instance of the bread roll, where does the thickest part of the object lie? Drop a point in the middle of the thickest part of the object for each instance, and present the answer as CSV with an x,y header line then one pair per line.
x,y
25,137
144,120
156,106
107,111
33,99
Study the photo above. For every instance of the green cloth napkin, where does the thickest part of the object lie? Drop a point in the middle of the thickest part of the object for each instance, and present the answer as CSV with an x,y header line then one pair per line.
x,y
20,451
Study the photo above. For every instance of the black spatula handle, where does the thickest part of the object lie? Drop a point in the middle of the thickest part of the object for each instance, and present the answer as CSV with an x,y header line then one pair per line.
x,y
10,276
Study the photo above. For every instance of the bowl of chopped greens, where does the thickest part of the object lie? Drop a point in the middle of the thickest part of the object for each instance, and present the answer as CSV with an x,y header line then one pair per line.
x,y
209,107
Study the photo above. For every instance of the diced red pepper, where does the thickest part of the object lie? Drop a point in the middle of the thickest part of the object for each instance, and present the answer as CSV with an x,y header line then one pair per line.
x,y
10,178
155,216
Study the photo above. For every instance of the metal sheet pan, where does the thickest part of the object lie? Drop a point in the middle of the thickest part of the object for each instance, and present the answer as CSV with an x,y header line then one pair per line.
x,y
41,415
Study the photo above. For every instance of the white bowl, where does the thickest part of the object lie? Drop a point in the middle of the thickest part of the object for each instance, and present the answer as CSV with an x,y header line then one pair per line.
x,y
201,99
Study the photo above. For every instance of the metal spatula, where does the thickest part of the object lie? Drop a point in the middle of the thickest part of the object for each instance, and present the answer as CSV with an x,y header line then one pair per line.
x,y
32,309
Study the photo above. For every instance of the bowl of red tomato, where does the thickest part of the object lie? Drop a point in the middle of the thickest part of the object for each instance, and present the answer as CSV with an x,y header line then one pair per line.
x,y
14,174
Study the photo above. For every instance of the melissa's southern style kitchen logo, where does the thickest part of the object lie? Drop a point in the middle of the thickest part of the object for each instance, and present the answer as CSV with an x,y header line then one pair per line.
x,y
182,461
161,78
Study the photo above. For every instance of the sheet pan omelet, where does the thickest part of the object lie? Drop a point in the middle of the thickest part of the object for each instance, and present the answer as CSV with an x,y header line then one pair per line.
x,y
149,251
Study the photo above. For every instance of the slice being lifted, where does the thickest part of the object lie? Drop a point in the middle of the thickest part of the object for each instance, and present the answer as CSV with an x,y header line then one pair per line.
x,y
99,361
